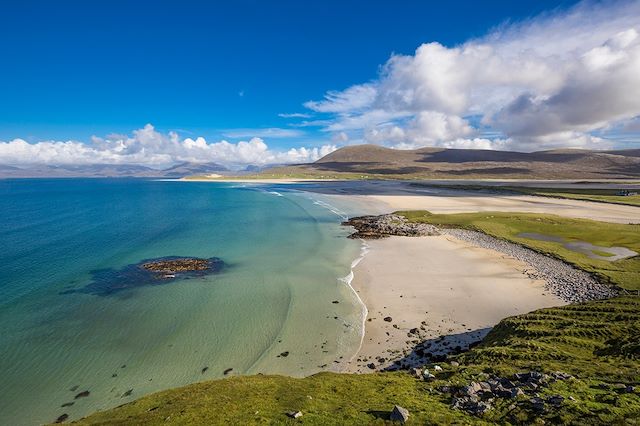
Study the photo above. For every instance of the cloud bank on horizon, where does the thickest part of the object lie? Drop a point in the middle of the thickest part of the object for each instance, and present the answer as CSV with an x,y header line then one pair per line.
x,y
149,147
560,80
569,79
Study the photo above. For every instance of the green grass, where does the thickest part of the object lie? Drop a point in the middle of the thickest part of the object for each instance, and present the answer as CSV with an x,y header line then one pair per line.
x,y
507,226
326,398
597,342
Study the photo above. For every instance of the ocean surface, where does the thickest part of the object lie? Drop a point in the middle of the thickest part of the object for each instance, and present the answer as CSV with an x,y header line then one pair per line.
x,y
281,303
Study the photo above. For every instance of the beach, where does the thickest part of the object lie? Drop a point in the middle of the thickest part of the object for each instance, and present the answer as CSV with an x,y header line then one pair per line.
x,y
419,289
441,286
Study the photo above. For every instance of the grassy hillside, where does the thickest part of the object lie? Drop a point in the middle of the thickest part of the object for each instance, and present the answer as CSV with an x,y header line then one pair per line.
x,y
597,342
375,162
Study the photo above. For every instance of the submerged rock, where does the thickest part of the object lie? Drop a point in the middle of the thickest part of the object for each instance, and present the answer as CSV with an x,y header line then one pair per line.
x,y
169,267
106,282
62,418
82,394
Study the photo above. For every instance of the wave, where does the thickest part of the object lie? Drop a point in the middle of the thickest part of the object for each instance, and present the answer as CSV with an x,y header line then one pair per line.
x,y
331,208
347,279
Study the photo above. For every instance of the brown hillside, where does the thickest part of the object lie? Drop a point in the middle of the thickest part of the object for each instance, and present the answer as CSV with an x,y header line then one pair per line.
x,y
376,161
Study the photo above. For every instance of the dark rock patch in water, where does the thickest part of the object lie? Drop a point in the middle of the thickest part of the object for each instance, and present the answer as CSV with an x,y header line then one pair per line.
x,y
83,394
165,270
62,418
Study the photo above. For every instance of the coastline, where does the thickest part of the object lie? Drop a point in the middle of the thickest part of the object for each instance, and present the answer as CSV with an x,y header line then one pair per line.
x,y
412,296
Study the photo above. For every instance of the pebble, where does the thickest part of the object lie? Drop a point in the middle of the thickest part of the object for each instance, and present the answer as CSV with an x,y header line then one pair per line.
x,y
563,280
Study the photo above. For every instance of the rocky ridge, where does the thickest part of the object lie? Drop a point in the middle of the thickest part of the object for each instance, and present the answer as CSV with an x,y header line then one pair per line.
x,y
376,227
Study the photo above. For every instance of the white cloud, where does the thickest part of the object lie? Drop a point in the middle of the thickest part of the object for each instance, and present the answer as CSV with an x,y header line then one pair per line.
x,y
268,132
149,147
294,115
547,82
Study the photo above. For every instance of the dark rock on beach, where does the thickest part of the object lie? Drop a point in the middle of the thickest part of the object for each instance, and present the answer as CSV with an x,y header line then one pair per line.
x,y
227,371
374,227
107,282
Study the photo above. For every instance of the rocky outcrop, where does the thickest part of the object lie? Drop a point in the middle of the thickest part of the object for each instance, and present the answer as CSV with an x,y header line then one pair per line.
x,y
375,227
477,397
160,271
166,267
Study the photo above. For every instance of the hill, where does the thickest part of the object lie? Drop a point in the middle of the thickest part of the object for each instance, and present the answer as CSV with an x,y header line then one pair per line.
x,y
108,170
436,163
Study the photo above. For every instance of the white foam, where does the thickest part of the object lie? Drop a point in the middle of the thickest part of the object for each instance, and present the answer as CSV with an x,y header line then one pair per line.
x,y
364,249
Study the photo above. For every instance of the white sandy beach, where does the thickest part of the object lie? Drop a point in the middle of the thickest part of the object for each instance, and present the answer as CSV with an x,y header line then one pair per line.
x,y
442,286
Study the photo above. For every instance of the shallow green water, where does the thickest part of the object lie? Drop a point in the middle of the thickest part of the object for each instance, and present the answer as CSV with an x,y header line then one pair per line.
x,y
284,255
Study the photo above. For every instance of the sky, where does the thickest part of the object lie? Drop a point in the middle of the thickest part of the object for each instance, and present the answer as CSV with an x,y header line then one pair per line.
x,y
256,82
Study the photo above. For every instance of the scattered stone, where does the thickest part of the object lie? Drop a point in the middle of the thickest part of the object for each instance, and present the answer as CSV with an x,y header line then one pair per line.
x,y
82,394
537,403
284,354
67,404
204,370
555,400
227,371
372,366
471,404
559,375
455,364
399,414
416,372
74,388
437,368
127,393
62,418
388,319
294,414
563,280
335,302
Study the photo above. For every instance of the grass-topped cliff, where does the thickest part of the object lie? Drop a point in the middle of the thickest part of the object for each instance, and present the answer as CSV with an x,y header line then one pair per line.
x,y
598,343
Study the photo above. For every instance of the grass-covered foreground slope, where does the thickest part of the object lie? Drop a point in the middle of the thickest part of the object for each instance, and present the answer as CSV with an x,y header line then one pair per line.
x,y
596,342
624,273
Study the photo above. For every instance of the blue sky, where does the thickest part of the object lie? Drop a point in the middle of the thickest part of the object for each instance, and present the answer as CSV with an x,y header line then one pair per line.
x,y
73,69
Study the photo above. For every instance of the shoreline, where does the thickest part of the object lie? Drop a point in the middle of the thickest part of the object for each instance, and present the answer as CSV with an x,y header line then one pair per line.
x,y
453,312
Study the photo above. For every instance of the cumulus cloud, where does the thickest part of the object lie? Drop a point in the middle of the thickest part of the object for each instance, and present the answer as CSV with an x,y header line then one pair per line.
x,y
548,82
149,147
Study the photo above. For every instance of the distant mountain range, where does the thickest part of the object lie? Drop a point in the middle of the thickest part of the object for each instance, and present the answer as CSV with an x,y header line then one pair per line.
x,y
110,170
438,163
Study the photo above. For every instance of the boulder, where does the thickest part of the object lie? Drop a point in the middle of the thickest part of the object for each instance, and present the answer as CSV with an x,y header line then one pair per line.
x,y
399,414
294,414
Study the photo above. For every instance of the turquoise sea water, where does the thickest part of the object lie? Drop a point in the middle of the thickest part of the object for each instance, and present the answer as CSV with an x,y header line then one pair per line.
x,y
284,254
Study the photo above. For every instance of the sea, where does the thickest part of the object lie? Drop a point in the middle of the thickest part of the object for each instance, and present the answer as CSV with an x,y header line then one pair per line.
x,y
80,331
